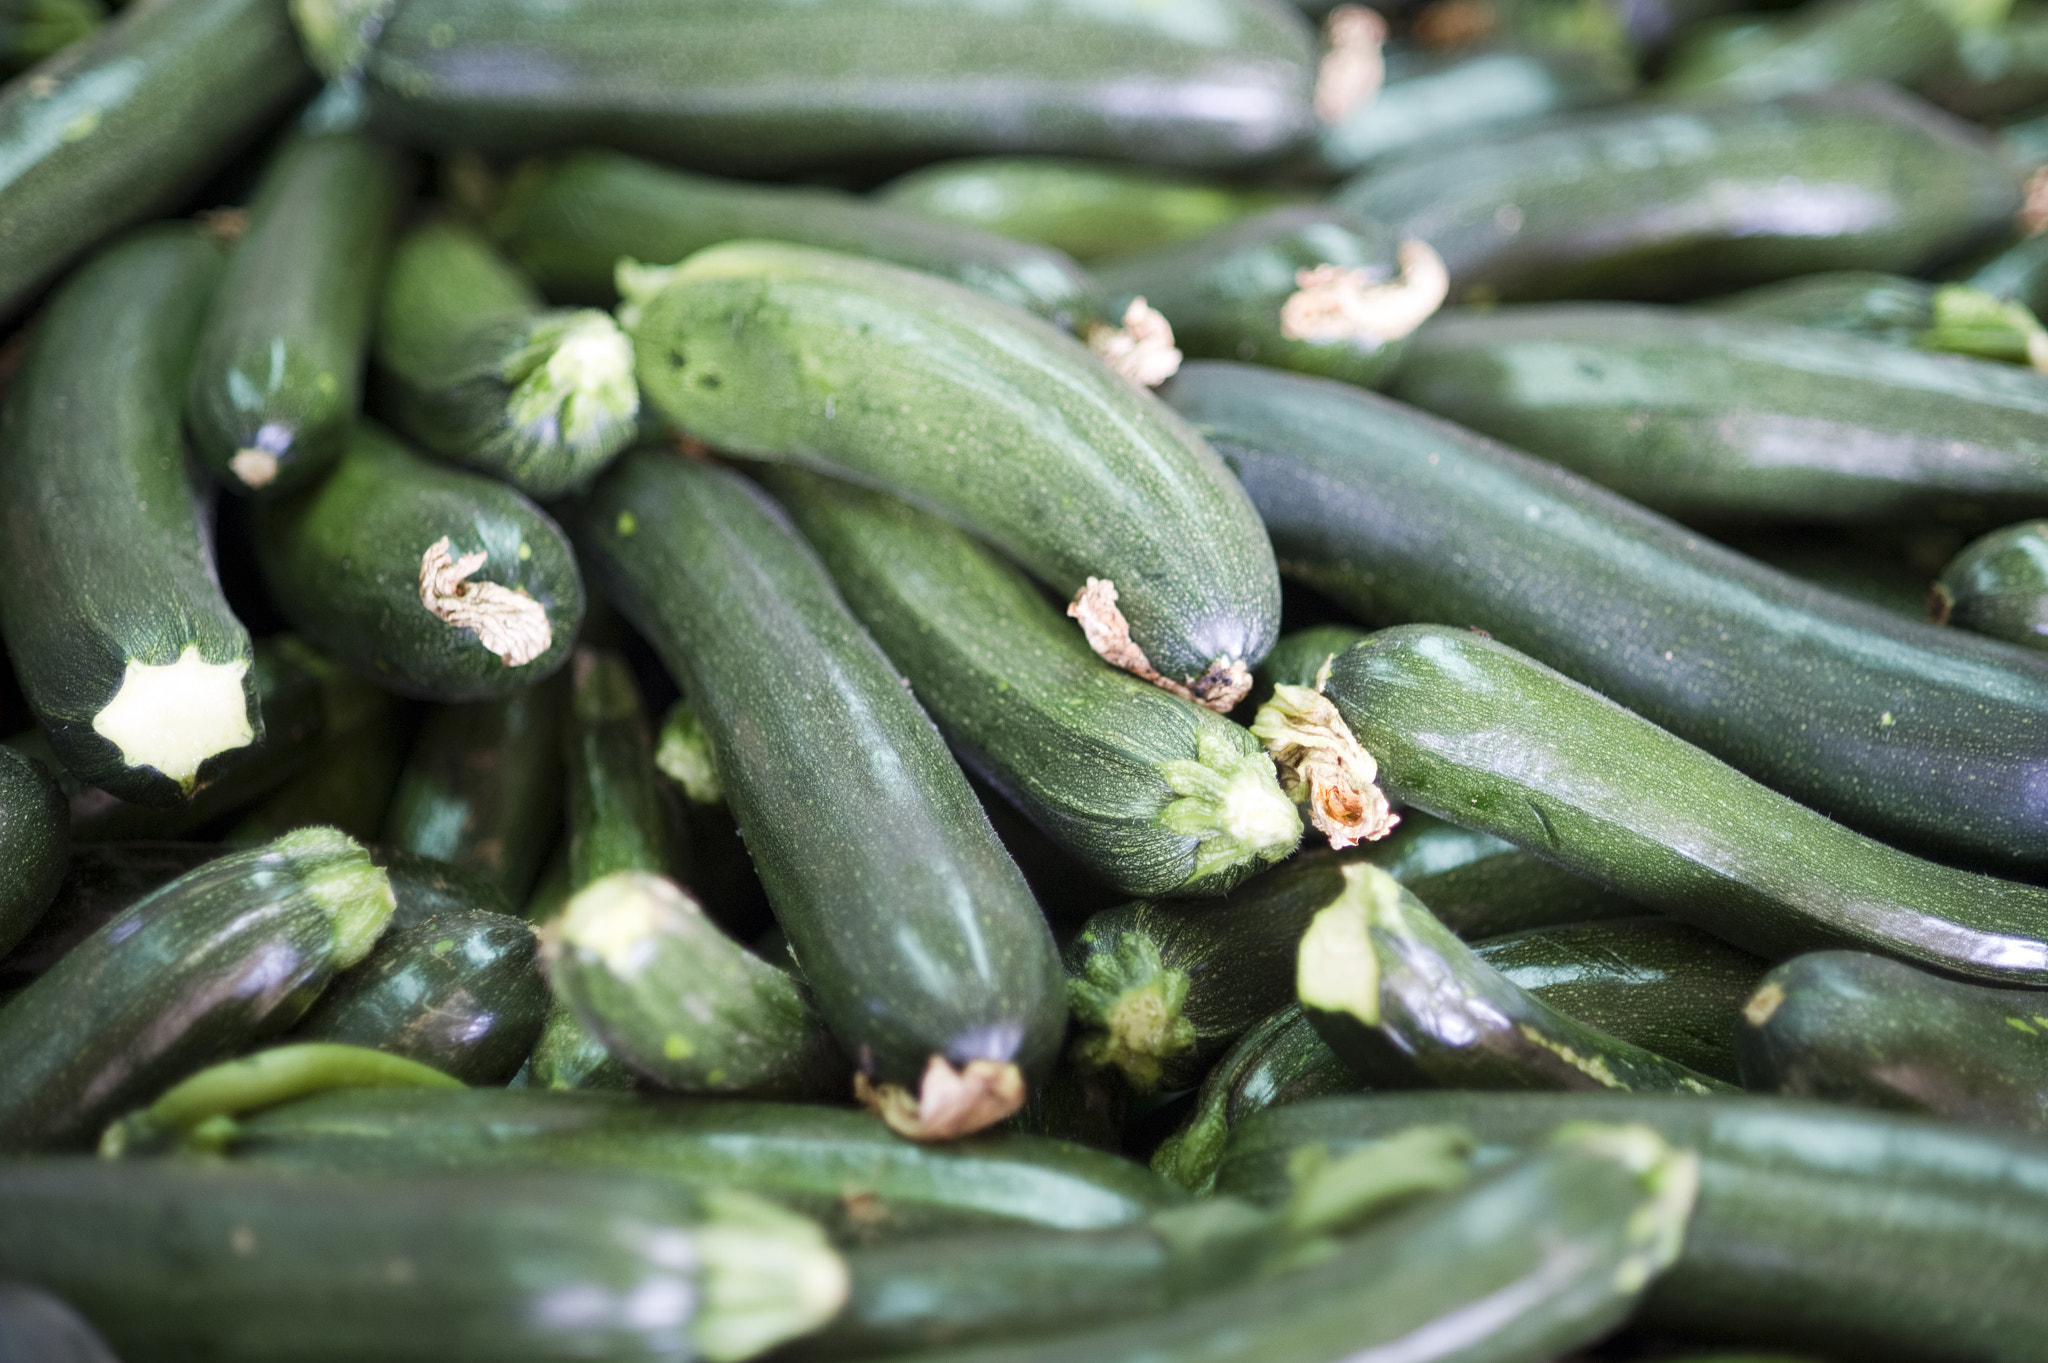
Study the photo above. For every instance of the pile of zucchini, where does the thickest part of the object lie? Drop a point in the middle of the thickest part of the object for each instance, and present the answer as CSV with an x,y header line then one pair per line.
x,y
1125,683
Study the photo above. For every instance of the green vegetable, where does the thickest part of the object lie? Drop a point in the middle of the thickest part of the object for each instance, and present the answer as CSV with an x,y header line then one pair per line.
x,y
1834,42
35,844
1998,585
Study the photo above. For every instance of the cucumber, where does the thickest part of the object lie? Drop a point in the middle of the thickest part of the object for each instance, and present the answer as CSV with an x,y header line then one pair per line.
x,y
1661,202
436,582
1152,794
567,222
1998,585
163,1258
1855,1234
972,410
765,89
1727,419
461,992
1849,1027
223,956
278,374
98,883
124,646
35,845
915,930
1482,536
1462,724
1835,42
619,814
130,122
478,370
1869,303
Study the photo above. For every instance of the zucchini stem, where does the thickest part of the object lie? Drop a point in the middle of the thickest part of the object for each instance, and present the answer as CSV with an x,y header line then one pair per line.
x,y
1231,803
1226,682
1322,764
1129,1006
949,1103
769,1276
1332,303
1142,349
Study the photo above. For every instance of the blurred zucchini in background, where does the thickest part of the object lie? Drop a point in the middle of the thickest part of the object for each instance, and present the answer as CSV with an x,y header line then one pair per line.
x,y
35,845
1998,585
1825,43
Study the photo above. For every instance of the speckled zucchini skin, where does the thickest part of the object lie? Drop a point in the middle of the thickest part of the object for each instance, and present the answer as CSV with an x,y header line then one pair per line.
x,y
35,844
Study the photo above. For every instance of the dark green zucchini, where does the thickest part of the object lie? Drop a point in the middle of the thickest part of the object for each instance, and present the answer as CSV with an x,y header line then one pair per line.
x,y
916,932
619,814
37,1325
1855,1234
1869,303
1998,585
1663,202
437,582
1834,42
1849,562
1153,794
173,1259
346,781
984,415
567,223
99,882
1849,1027
481,372
1482,887
35,844
569,1056
1463,724
1309,288
426,887
223,956
124,646
129,123
1732,419
278,374
1925,738
763,89
461,992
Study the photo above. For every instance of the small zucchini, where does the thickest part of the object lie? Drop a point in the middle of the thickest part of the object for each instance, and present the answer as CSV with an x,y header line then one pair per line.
x,y
437,582
278,374
1998,585
35,845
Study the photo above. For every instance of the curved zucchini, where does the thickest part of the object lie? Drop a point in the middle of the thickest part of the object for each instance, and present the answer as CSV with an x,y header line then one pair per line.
x,y
968,408
1718,418
224,955
115,623
568,221
1153,794
1925,738
763,89
35,845
1662,202
916,932
439,583
1998,585
278,374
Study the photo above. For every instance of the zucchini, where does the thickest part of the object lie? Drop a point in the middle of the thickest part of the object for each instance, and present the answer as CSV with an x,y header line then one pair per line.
x,y
1834,42
99,882
1309,288
426,887
970,409
1482,887
124,646
223,956
481,372
1152,794
1846,562
162,1256
34,1324
766,89
35,845
620,816
461,992
569,1056
1849,1027
1718,419
567,222
1659,202
1463,724
33,30
278,373
1402,517
917,934
347,780
1998,585
680,1003
1855,1234
129,123
1869,303
2018,272
438,583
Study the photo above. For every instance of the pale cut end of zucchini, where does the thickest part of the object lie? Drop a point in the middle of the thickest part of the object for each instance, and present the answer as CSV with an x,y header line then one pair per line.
x,y
764,1275
1354,66
1128,1003
255,468
173,716
1322,764
683,754
354,890
510,624
1333,304
619,920
1335,967
1226,682
950,1103
1230,802
1670,1177
1336,1196
1141,350
573,379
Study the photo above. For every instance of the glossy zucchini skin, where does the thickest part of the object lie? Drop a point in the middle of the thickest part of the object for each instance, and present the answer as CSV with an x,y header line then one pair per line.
x,y
1677,201
1910,1239
461,992
278,374
1006,417
1153,794
915,929
1482,887
619,814
98,883
1849,1027
1998,585
35,844
1871,303
125,125
1347,486
567,222
767,89
345,561
427,886
1464,724
1739,420
1835,43
104,566
227,954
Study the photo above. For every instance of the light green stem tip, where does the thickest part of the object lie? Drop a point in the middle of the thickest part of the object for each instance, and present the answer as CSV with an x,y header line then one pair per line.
x,y
1337,1196
1970,321
574,376
1129,1006
338,873
1336,968
1671,1177
684,755
769,1275
1229,800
